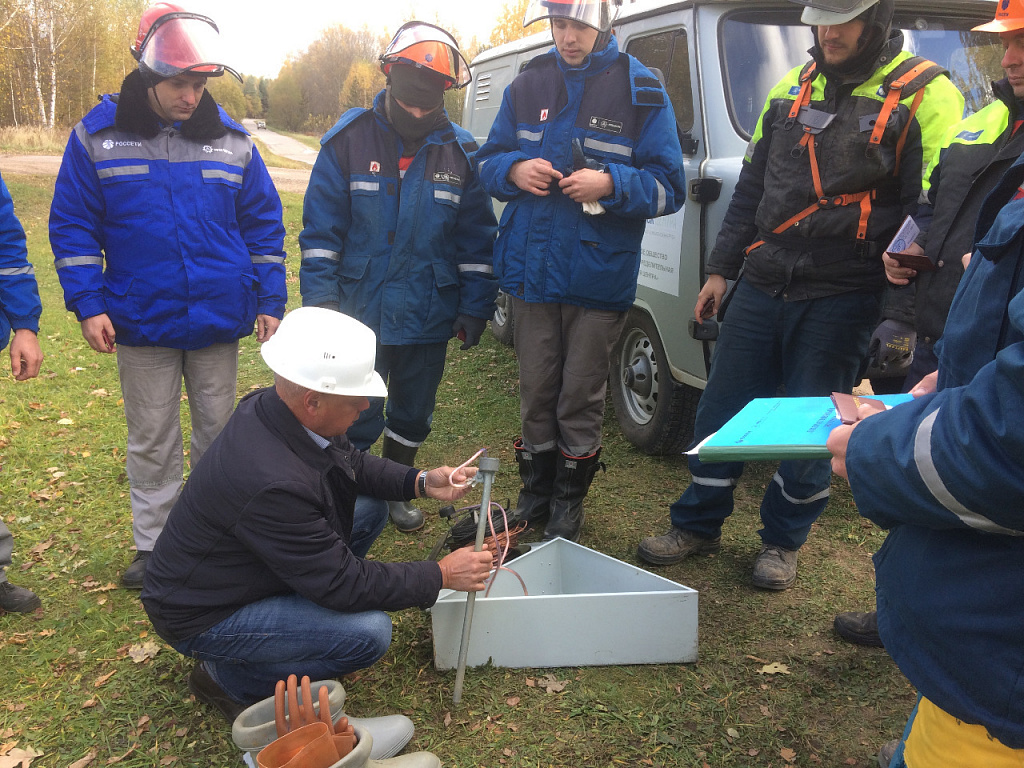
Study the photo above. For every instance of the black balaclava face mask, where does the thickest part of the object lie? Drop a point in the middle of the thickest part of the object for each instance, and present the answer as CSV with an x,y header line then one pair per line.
x,y
877,29
417,88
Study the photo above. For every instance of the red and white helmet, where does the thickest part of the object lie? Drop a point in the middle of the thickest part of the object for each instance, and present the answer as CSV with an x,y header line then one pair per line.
x,y
425,46
172,40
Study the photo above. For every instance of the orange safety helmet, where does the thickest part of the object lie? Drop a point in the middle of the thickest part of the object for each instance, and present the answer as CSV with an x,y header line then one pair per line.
x,y
1009,18
425,46
171,41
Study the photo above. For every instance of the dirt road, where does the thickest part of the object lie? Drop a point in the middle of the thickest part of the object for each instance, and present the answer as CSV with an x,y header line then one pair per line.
x,y
285,179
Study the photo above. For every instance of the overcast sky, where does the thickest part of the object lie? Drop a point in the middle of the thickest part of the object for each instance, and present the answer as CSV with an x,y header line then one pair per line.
x,y
259,35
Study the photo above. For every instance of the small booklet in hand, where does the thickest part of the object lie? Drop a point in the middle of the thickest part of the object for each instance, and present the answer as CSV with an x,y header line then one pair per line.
x,y
897,249
848,407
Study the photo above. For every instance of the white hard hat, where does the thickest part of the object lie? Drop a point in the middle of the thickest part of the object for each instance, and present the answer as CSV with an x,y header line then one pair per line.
x,y
829,13
325,351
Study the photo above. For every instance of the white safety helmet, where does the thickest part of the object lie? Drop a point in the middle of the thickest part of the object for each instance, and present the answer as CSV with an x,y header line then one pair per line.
x,y
827,13
325,351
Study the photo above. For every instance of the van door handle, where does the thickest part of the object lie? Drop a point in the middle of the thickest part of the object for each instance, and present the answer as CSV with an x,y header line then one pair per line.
x,y
706,189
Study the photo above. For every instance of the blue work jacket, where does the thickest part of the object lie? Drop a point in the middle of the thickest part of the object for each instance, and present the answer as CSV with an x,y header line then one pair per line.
x,y
548,249
180,242
403,253
945,475
19,294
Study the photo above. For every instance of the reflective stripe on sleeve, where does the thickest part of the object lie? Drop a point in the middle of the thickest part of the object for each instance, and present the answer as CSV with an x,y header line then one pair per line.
x,y
266,258
321,253
76,261
932,480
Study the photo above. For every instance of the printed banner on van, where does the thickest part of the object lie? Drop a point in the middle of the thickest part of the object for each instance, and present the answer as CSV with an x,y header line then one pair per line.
x,y
659,253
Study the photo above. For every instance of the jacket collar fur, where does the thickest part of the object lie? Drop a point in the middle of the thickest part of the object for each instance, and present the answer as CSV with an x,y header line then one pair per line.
x,y
134,114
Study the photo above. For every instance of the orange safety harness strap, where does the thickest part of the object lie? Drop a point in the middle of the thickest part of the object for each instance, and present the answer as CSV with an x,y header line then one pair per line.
x,y
892,99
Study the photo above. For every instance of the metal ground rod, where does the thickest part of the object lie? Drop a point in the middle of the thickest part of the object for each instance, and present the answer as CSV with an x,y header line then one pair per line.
x,y
488,468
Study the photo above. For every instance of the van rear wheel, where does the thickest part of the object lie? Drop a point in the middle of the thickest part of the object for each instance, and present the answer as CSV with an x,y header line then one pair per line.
x,y
502,322
655,412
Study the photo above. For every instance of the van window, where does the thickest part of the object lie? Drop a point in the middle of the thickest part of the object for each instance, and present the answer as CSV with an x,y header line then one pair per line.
x,y
759,47
667,51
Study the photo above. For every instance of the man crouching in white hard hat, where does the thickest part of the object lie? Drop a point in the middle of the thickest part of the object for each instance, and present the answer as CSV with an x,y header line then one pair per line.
x,y
260,571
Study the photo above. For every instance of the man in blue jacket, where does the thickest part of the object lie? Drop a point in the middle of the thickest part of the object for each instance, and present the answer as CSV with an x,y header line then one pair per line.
x,y
584,150
166,189
944,474
973,157
19,312
398,233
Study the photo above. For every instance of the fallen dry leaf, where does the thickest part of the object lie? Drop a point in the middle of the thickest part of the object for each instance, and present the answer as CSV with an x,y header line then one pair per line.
x,y
119,758
89,757
141,652
42,546
787,754
19,758
512,701
551,684
89,703
775,668
102,679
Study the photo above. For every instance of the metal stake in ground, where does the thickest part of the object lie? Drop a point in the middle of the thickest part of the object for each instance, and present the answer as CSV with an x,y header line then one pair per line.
x,y
488,468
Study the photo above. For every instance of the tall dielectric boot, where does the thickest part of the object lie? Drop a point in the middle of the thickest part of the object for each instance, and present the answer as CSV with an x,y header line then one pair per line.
x,y
537,471
573,477
359,757
406,516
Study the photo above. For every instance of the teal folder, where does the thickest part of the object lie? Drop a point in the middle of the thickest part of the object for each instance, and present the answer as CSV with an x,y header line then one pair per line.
x,y
779,428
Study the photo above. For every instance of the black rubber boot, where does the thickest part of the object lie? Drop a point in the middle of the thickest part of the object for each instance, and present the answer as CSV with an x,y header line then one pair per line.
x,y
404,514
537,471
572,482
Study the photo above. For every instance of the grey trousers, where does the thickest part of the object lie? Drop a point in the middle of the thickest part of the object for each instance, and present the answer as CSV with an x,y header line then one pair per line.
x,y
564,357
6,550
151,379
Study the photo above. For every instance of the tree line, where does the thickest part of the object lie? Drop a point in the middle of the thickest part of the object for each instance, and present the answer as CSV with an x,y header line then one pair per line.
x,y
58,56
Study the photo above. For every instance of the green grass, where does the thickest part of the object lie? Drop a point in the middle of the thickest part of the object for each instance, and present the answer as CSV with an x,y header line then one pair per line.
x,y
68,685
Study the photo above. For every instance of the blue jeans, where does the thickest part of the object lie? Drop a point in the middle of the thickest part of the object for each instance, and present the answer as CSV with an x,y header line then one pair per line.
x,y
412,372
770,347
263,642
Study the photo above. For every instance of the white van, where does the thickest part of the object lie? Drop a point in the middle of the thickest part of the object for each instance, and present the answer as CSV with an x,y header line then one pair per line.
x,y
718,59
